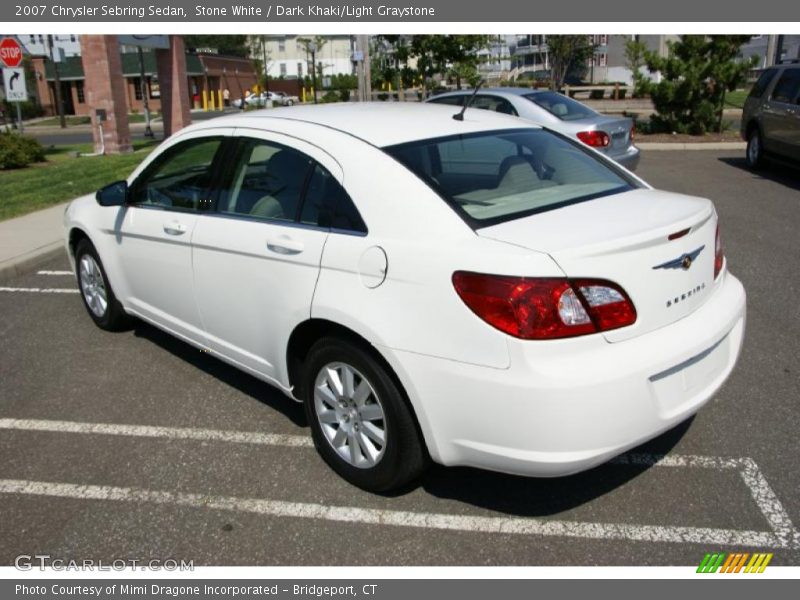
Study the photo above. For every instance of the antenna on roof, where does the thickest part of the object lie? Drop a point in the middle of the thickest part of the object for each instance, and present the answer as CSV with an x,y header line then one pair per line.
x,y
468,103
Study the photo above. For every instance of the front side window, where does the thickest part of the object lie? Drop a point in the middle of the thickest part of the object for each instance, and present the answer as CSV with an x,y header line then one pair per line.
x,y
181,178
788,87
497,176
452,100
561,106
760,86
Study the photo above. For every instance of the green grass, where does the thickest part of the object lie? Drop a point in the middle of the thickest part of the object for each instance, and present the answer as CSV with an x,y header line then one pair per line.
x,y
73,120
736,99
64,177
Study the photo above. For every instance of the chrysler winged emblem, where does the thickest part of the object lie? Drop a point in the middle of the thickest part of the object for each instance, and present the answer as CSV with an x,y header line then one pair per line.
x,y
682,262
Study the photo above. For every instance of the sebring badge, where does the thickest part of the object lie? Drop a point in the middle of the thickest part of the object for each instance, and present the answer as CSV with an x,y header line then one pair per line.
x,y
682,262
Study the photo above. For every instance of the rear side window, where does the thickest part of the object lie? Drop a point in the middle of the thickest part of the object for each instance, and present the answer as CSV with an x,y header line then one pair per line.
x,y
762,83
563,107
788,87
267,183
327,205
497,176
494,104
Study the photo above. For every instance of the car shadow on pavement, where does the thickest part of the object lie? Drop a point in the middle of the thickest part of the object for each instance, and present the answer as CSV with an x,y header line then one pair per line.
x,y
239,380
777,172
534,497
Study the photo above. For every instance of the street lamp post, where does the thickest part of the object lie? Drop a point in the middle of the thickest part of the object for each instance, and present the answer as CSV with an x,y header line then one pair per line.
x,y
312,47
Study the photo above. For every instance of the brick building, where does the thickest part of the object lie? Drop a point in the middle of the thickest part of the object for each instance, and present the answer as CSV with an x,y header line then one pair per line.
x,y
204,72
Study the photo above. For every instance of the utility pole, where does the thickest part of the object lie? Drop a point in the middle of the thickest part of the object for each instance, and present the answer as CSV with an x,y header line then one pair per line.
x,y
769,59
362,69
148,130
266,68
57,82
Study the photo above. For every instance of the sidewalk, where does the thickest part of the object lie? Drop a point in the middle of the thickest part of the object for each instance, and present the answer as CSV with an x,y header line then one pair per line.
x,y
31,240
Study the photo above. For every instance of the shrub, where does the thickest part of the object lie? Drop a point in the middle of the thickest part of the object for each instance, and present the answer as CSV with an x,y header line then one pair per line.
x,y
19,151
330,96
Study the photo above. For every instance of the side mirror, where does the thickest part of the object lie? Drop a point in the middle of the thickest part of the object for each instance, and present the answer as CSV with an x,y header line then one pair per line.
x,y
114,194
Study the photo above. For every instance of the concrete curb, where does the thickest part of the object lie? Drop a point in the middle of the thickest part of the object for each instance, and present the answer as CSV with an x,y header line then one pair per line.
x,y
691,145
31,261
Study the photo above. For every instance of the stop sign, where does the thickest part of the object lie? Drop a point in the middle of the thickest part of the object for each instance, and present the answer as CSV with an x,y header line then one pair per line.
x,y
10,52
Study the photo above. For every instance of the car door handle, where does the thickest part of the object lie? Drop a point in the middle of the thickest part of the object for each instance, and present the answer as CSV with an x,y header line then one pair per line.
x,y
283,244
174,228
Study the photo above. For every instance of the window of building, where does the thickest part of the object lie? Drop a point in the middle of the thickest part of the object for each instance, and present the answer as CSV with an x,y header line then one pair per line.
x,y
79,92
281,45
72,38
602,59
299,69
32,39
283,69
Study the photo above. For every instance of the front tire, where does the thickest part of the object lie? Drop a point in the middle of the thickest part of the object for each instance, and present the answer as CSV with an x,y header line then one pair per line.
x,y
755,150
96,293
360,421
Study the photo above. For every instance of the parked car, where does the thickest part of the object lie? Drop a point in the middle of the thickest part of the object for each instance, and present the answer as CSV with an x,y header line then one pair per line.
x,y
481,292
613,136
284,99
263,99
771,117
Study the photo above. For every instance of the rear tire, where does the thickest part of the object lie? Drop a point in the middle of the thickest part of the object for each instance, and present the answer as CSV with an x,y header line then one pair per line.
x,y
755,150
360,421
96,293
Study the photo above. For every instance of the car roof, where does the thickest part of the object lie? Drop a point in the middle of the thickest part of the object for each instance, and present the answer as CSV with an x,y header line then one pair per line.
x,y
514,91
378,123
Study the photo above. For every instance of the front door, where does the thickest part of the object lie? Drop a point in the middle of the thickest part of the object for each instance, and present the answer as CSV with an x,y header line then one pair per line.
x,y
257,257
155,233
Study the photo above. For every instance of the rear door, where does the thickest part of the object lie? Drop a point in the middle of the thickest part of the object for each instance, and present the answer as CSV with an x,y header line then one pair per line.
x,y
257,256
780,115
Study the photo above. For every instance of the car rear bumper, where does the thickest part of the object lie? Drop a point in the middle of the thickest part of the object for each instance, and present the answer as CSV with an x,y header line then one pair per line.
x,y
564,406
628,159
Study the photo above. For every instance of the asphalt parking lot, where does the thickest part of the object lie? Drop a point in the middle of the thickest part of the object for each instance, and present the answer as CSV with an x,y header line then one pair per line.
x,y
135,445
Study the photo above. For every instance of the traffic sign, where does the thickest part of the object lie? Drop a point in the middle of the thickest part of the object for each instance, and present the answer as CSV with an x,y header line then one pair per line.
x,y
14,82
10,52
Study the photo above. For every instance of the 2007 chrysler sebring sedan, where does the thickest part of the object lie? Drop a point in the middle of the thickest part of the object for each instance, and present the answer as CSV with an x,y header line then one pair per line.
x,y
476,291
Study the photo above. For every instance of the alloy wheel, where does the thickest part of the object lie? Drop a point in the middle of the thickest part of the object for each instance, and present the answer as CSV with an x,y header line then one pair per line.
x,y
350,415
93,286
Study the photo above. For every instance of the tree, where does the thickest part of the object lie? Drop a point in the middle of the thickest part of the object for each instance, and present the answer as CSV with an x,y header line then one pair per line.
x,y
231,45
567,52
635,59
695,76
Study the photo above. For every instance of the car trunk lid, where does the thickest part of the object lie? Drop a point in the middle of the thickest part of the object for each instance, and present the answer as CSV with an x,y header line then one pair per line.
x,y
618,130
639,240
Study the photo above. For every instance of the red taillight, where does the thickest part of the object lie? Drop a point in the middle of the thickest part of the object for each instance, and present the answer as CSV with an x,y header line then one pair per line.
x,y
719,255
595,139
545,308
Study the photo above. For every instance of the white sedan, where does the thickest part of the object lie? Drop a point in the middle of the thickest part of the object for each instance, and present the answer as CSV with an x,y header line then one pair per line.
x,y
474,292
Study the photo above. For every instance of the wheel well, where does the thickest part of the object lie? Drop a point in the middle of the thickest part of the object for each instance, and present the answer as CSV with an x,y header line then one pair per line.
x,y
307,333
75,236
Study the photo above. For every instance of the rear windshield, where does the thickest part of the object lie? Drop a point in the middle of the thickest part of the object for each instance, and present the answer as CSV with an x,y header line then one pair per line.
x,y
563,107
496,176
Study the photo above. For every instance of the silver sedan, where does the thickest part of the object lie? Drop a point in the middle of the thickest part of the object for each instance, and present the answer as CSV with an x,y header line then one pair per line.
x,y
612,136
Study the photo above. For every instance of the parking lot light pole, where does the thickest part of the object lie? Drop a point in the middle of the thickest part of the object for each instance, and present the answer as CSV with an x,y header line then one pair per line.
x,y
312,47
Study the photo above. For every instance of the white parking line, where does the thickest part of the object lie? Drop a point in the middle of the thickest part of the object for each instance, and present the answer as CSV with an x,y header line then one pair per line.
x,y
372,516
40,290
175,433
783,534
54,273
